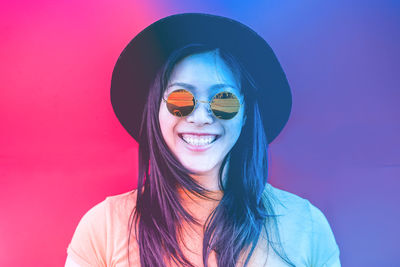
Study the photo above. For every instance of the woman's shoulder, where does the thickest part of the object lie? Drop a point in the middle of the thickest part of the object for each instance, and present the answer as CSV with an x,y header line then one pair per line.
x,y
303,228
112,207
90,244
122,202
295,211
286,203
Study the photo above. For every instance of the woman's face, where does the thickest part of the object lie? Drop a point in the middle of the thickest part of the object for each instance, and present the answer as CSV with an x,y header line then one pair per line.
x,y
204,75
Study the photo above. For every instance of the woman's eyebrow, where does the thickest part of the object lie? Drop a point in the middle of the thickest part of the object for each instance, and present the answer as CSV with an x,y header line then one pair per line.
x,y
192,87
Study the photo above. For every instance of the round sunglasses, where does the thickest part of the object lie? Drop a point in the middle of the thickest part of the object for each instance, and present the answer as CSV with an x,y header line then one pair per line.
x,y
224,105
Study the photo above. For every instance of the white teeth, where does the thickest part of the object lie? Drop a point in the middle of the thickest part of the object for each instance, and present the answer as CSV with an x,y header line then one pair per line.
x,y
198,140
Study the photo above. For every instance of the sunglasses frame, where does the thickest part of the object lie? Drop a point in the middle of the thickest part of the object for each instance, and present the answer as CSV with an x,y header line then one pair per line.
x,y
205,102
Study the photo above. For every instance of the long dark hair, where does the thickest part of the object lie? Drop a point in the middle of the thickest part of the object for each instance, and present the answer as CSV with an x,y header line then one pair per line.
x,y
236,224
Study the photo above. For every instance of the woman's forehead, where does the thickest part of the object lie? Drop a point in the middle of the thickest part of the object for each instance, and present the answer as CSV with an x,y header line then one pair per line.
x,y
212,88
203,72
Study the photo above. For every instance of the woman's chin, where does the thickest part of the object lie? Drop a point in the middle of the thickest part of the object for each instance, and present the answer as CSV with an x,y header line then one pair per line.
x,y
199,169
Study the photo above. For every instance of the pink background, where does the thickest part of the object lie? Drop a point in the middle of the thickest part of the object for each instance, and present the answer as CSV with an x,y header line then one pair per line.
x,y
62,150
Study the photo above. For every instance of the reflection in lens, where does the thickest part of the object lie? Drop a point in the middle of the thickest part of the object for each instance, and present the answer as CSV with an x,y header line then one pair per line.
x,y
225,105
180,103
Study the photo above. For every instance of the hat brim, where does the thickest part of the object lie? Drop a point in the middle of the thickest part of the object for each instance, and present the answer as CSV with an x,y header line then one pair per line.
x,y
142,58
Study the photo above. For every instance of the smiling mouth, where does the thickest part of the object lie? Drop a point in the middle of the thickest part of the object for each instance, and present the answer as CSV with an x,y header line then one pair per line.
x,y
198,141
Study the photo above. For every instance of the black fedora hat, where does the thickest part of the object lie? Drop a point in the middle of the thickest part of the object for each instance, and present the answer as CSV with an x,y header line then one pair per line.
x,y
142,58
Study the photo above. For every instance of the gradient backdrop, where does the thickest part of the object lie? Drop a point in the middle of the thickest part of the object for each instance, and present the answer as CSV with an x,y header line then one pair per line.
x,y
62,149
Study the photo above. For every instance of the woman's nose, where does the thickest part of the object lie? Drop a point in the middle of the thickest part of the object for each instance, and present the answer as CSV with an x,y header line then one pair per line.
x,y
201,114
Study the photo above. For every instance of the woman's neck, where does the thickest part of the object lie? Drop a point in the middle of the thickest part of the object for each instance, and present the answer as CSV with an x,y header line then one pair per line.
x,y
210,180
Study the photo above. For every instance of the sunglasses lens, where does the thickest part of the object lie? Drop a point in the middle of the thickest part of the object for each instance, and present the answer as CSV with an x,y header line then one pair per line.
x,y
180,103
225,105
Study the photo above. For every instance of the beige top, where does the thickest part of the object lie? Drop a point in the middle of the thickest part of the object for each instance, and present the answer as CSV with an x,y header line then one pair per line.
x,y
101,237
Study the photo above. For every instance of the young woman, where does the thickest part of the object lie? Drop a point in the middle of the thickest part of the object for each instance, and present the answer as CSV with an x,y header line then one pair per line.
x,y
204,96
